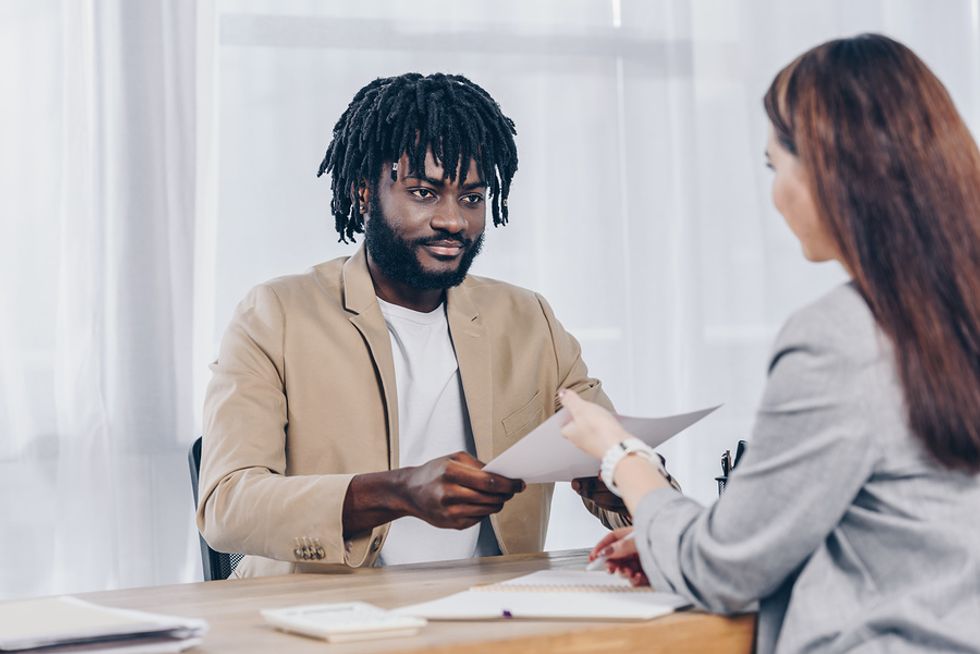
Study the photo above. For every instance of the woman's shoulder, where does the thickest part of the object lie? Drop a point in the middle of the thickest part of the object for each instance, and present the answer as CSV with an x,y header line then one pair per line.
x,y
837,335
840,321
833,349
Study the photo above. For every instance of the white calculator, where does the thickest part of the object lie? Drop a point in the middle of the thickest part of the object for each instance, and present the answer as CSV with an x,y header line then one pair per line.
x,y
343,622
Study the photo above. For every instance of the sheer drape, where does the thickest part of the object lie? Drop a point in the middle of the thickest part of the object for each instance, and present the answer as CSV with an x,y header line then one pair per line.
x,y
96,396
158,160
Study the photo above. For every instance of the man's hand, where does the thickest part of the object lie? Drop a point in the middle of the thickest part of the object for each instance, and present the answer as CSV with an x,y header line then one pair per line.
x,y
453,492
592,488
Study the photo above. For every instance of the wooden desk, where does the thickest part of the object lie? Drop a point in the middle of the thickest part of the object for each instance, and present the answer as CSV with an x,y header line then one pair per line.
x,y
232,609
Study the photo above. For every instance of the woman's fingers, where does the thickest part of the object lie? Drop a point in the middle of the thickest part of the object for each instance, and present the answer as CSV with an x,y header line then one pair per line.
x,y
621,549
572,402
630,569
608,540
592,428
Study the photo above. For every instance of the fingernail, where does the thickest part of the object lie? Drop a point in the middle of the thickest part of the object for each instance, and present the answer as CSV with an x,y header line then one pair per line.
x,y
561,393
607,551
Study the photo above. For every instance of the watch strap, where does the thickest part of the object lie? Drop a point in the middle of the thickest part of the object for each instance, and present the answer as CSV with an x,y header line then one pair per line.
x,y
615,454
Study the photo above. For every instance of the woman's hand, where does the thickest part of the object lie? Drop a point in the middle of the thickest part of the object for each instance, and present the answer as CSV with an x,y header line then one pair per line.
x,y
592,429
621,556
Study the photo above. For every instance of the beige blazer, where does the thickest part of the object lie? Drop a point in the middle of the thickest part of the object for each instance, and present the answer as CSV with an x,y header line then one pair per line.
x,y
303,397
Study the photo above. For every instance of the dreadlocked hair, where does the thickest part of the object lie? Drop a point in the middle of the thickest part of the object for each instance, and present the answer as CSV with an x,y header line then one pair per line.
x,y
410,114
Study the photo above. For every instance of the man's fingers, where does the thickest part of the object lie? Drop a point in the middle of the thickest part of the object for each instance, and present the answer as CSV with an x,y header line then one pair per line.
x,y
466,511
584,486
607,500
593,489
599,486
469,472
487,482
464,495
466,459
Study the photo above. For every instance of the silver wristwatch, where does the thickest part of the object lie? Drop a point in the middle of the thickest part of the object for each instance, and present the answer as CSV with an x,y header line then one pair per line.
x,y
620,451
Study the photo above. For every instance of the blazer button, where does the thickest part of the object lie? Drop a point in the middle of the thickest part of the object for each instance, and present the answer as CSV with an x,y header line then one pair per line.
x,y
375,544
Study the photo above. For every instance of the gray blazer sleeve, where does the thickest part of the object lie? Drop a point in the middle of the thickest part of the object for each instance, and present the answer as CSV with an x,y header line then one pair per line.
x,y
810,454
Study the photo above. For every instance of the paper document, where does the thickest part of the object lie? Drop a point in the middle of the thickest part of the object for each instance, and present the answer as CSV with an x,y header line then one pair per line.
x,y
341,622
48,622
545,455
567,581
552,595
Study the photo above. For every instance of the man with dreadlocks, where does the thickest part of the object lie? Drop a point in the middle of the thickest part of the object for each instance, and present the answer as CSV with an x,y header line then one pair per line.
x,y
351,406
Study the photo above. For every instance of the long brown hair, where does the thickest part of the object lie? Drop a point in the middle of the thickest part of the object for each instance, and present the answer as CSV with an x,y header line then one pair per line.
x,y
895,175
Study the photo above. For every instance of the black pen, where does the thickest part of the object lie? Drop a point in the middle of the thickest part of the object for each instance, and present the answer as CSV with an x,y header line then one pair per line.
x,y
739,451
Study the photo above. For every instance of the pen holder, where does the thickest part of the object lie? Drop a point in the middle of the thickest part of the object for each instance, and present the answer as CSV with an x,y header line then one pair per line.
x,y
722,481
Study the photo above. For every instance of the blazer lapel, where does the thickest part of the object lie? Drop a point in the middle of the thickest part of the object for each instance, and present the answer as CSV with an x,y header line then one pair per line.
x,y
361,302
473,356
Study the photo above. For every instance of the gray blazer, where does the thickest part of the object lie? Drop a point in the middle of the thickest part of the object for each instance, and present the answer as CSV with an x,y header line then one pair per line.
x,y
836,519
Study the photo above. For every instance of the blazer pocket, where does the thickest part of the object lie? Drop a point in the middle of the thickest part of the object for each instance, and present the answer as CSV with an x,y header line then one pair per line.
x,y
531,412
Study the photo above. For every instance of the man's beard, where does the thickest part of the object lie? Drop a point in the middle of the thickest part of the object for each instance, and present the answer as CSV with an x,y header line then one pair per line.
x,y
398,258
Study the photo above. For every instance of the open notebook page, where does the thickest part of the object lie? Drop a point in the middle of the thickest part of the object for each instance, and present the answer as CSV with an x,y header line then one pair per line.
x,y
569,581
552,595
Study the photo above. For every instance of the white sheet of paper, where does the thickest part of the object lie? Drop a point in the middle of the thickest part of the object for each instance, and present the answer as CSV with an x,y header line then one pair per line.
x,y
543,605
552,594
545,455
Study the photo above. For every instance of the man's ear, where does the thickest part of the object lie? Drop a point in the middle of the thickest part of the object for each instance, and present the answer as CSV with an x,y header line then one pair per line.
x,y
362,197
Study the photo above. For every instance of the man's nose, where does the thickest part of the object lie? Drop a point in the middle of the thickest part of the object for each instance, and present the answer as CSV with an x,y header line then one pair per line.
x,y
449,217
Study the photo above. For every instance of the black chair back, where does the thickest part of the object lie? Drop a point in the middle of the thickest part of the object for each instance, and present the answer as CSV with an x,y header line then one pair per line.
x,y
217,565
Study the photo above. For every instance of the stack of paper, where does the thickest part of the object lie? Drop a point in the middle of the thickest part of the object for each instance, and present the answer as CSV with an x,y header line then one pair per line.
x,y
59,623
552,595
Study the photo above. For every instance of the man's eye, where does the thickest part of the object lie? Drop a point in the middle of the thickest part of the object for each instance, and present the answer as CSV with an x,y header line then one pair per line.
x,y
473,199
422,193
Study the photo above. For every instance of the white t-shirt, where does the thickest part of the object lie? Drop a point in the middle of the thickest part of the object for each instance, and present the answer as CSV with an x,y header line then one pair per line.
x,y
432,422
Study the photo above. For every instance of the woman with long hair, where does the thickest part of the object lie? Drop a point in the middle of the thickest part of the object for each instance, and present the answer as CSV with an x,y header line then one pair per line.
x,y
854,516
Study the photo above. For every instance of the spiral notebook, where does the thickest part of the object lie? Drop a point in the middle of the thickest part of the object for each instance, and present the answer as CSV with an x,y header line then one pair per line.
x,y
552,595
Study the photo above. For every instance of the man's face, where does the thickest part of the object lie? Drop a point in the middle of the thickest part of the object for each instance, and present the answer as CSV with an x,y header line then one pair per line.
x,y
422,229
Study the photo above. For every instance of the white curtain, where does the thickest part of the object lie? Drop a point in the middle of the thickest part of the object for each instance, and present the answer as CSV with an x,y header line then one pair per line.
x,y
96,394
158,160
